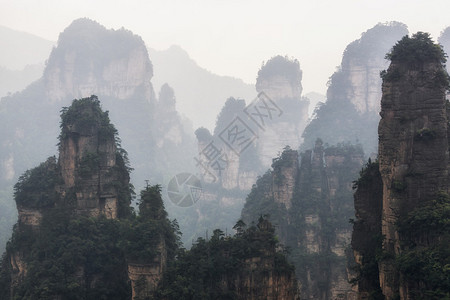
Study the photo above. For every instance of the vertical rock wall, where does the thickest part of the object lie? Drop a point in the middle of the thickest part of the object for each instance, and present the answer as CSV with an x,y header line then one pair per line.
x,y
310,201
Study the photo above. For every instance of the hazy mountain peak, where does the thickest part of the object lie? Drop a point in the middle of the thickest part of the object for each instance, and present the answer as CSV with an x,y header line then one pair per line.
x,y
91,59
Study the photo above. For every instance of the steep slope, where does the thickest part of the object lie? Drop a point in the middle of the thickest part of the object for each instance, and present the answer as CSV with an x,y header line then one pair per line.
x,y
413,163
354,92
281,123
308,198
367,236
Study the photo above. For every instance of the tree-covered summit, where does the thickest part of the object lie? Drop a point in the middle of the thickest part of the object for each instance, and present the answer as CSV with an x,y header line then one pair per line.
x,y
282,66
84,115
416,49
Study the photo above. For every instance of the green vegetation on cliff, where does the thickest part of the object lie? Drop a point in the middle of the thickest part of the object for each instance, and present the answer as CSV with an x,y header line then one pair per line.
x,y
425,258
36,188
401,235
311,223
70,250
70,255
147,234
367,237
415,51
83,116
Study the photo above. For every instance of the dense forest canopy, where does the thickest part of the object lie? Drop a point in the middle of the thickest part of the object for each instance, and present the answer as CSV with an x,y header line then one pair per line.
x,y
417,48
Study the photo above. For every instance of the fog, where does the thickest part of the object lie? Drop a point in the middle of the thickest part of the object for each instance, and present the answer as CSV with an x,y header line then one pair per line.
x,y
234,37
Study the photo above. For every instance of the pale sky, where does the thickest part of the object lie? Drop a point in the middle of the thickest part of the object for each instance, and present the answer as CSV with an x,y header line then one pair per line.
x,y
231,37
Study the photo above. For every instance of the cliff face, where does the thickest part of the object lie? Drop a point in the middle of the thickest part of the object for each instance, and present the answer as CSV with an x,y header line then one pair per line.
x,y
280,79
74,72
145,277
413,167
310,201
350,113
172,133
88,159
253,285
367,235
413,152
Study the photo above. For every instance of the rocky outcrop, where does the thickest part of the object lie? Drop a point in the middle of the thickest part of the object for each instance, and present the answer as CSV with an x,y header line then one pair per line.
x,y
413,151
252,284
72,72
29,216
280,80
413,168
90,179
172,133
69,210
145,277
310,199
88,158
350,113
285,178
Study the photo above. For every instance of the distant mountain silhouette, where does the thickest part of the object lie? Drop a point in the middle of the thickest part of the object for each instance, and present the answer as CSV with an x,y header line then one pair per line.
x,y
21,60
200,93
20,49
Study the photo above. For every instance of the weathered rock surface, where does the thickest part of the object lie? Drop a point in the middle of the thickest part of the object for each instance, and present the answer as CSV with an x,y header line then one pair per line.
x,y
413,153
280,79
413,169
310,201
71,73
350,113
88,161
145,277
